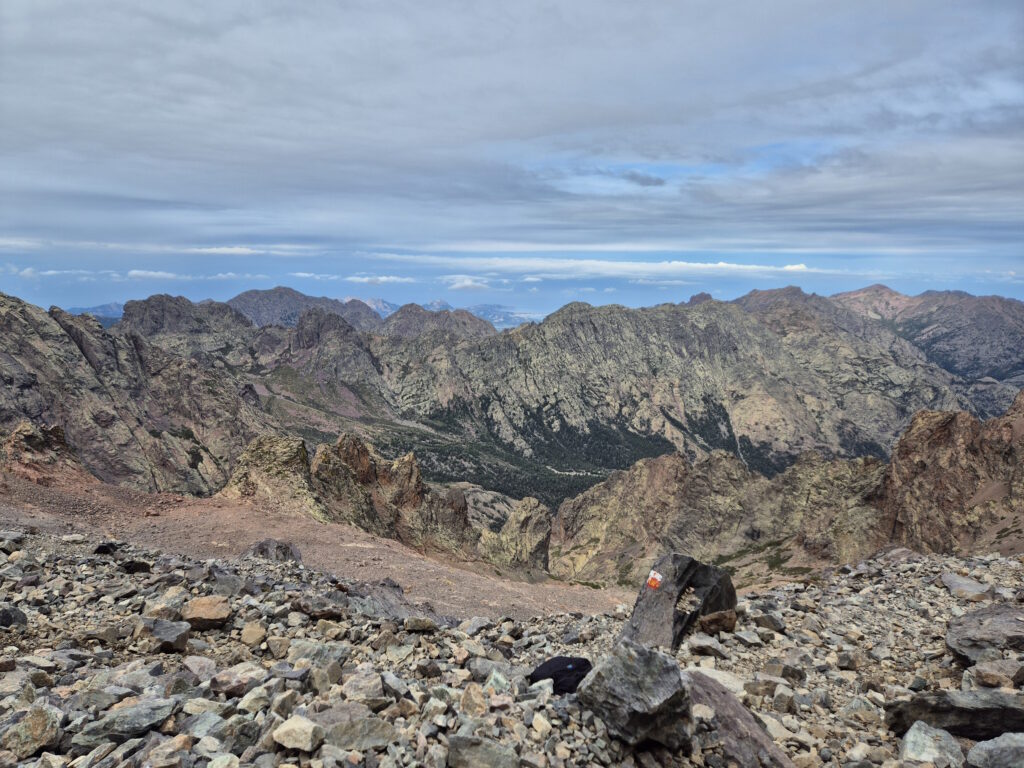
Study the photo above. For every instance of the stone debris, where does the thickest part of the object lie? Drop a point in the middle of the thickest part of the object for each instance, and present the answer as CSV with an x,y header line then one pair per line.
x,y
263,662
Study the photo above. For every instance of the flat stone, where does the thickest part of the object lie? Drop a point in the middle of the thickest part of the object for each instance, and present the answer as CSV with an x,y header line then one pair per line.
x,y
477,752
170,636
967,589
125,723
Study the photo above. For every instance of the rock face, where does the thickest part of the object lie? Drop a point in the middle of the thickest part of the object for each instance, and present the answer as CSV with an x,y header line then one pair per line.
x,y
954,484
1005,751
971,336
680,591
132,412
41,455
171,395
924,744
641,695
524,538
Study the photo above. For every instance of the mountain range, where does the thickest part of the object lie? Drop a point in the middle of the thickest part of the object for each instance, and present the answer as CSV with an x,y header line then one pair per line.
x,y
170,396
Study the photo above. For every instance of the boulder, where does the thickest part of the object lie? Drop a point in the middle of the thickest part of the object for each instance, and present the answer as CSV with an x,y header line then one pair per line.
x,y
967,589
125,723
994,628
924,744
170,636
298,732
981,714
641,695
27,732
1006,751
668,607
743,741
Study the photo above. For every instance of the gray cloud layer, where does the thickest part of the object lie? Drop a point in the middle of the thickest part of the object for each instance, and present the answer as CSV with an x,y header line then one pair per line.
x,y
326,128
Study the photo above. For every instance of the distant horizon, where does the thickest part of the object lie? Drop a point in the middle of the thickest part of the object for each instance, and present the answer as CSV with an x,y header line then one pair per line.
x,y
372,301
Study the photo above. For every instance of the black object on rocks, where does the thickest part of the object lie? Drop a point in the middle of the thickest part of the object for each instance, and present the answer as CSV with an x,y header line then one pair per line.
x,y
275,550
678,592
566,672
106,548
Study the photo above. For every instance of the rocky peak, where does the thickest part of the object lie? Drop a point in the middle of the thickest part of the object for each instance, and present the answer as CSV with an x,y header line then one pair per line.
x,y
164,314
284,306
411,321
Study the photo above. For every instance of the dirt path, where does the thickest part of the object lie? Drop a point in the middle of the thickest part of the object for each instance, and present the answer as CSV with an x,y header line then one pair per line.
x,y
219,528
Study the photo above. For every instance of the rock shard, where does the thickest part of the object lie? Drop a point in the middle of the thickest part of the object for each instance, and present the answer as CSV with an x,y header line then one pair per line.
x,y
688,589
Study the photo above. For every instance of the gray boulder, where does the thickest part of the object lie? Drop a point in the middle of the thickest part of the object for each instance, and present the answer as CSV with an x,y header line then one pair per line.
x,y
994,628
742,739
1006,751
476,752
689,589
924,744
641,695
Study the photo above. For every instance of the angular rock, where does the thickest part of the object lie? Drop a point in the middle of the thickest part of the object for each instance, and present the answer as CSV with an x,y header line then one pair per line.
x,y
171,636
924,744
996,627
981,714
27,732
967,589
640,695
300,733
125,723
1006,751
208,612
662,615
476,752
10,616
168,605
743,740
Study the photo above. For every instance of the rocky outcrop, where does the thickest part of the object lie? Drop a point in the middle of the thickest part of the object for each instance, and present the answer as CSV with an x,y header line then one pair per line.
x,y
412,321
954,484
133,413
523,540
274,471
41,455
954,480
678,591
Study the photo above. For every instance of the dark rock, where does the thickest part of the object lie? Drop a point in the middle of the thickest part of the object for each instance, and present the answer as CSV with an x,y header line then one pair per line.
x,y
318,607
992,628
719,621
982,714
662,615
126,723
640,695
12,617
136,566
171,636
275,550
106,548
742,739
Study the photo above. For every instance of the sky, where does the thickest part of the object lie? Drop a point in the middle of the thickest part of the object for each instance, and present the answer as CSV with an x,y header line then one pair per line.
x,y
526,154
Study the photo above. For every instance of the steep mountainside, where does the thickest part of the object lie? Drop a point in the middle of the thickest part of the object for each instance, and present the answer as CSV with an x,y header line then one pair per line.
x,y
954,485
544,409
972,336
284,306
134,412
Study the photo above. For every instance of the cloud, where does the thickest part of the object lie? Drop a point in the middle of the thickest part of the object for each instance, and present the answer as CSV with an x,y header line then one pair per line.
x,y
379,279
466,283
643,179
